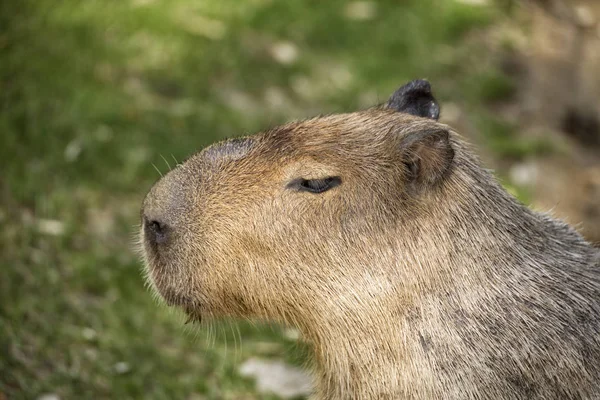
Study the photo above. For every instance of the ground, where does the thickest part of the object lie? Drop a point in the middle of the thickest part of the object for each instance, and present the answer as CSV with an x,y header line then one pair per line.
x,y
97,98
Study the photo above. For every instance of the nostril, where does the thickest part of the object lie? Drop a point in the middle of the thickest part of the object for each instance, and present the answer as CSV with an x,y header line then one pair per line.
x,y
157,231
156,226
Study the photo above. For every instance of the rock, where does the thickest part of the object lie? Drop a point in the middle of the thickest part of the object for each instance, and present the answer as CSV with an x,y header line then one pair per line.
x,y
50,227
73,150
121,368
284,52
524,174
48,396
474,2
277,377
292,334
361,10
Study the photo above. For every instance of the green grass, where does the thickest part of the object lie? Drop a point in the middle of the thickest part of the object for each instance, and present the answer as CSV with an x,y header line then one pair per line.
x,y
502,139
93,93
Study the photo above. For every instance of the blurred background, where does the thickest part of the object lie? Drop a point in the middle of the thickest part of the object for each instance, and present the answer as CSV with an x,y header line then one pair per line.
x,y
98,97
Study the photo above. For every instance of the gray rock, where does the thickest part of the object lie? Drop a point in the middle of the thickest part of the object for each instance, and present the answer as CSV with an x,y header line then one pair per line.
x,y
277,377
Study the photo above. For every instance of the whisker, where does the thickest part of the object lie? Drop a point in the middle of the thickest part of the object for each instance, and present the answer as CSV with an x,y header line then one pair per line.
x,y
157,170
225,341
235,345
166,162
239,335
210,334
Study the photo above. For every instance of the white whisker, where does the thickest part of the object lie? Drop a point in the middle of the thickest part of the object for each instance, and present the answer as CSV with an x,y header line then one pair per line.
x,y
157,170
166,162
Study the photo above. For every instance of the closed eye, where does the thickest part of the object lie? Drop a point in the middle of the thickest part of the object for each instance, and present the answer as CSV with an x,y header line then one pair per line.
x,y
315,185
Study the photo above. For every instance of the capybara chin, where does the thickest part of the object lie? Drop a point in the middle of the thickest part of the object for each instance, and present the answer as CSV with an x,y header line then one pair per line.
x,y
378,234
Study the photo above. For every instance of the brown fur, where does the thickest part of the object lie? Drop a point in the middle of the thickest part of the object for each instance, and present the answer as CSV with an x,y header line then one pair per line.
x,y
437,285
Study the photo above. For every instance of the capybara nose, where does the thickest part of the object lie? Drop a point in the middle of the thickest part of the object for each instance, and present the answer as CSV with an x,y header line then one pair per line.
x,y
156,231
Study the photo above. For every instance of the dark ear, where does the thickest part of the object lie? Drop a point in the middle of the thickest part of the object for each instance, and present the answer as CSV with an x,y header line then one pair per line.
x,y
427,157
415,98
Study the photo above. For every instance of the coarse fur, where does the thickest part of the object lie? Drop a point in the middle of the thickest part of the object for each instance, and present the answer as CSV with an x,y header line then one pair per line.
x,y
417,277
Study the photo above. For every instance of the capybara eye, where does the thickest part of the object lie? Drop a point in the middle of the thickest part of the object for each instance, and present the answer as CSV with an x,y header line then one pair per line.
x,y
315,185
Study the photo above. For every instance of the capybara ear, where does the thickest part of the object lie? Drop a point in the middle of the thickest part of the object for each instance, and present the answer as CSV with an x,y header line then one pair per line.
x,y
415,98
427,157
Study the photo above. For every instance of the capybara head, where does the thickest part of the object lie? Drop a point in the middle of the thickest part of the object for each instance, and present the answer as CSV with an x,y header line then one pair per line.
x,y
412,272
295,223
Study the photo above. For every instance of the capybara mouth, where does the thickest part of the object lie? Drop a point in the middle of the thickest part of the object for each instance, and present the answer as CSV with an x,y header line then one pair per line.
x,y
171,297
191,308
193,315
174,299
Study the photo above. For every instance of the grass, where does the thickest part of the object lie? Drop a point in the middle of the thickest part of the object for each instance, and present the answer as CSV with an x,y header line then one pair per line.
x,y
501,137
94,93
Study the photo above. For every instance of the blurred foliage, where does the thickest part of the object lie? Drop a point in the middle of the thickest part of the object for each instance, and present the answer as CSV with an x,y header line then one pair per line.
x,y
97,95
500,136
